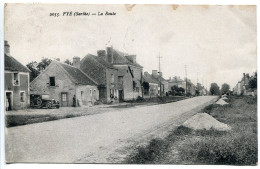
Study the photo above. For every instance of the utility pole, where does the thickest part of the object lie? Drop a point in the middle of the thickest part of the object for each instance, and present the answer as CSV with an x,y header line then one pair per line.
x,y
160,81
197,78
206,87
186,79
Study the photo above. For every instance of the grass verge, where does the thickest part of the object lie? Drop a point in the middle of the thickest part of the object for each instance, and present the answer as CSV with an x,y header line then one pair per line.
x,y
18,120
187,146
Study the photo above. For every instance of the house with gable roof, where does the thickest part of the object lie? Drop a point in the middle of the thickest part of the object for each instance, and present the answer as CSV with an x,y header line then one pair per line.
x,y
152,91
104,73
62,82
17,78
129,73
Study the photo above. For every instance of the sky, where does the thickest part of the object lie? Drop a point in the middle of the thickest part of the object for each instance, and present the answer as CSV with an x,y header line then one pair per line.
x,y
216,43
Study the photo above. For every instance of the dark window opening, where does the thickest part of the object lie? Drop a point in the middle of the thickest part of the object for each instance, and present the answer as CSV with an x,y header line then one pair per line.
x,y
52,81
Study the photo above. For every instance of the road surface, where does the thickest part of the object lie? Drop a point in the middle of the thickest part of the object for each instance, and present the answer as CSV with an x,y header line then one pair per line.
x,y
98,138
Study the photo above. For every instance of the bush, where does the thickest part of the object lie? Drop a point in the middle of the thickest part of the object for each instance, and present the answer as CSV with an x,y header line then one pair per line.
x,y
139,98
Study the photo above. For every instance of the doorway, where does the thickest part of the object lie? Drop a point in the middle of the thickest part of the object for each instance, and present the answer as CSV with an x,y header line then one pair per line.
x,y
121,95
8,101
64,99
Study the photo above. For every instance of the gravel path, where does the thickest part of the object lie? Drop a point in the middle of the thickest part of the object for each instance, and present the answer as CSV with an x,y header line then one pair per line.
x,y
99,138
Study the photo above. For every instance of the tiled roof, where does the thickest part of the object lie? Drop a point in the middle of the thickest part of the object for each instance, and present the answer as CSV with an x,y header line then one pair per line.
x,y
78,76
148,78
176,79
13,65
119,58
162,79
101,61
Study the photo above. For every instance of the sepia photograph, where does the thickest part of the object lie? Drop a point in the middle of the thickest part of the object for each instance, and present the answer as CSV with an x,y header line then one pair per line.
x,y
130,84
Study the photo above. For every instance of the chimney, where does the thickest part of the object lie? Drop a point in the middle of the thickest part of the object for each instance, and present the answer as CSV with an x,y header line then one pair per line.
x,y
7,48
132,58
110,56
102,54
76,62
146,73
155,73
160,73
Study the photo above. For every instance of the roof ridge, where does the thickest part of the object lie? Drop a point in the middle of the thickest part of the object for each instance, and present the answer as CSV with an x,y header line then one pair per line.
x,y
18,62
88,77
79,70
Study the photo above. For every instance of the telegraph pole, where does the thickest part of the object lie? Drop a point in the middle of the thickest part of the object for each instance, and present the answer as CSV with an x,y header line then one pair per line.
x,y
197,78
186,79
160,81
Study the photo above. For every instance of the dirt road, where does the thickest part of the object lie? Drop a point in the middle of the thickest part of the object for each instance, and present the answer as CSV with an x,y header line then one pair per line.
x,y
98,138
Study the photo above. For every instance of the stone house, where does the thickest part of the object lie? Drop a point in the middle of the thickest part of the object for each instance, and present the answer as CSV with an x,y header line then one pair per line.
x,y
17,78
129,75
62,82
153,85
201,89
104,73
164,83
242,87
245,83
176,81
191,88
237,89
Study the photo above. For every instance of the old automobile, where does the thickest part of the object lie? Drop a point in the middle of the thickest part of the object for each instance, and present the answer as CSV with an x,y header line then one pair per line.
x,y
43,101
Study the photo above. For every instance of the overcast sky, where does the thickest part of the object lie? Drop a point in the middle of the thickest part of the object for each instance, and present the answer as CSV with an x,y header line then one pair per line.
x,y
217,43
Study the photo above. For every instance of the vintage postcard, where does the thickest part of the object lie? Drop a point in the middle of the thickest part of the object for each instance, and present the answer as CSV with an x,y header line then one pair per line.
x,y
130,84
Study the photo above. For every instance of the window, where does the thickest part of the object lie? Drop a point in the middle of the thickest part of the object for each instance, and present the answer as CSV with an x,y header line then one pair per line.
x,y
16,79
90,92
112,78
52,81
137,89
22,96
81,95
95,95
64,97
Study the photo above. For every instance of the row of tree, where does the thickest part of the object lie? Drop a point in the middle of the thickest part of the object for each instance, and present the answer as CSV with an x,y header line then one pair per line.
x,y
215,90
225,88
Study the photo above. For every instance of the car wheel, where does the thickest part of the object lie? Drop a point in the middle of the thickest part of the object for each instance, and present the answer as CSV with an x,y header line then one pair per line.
x,y
48,105
38,102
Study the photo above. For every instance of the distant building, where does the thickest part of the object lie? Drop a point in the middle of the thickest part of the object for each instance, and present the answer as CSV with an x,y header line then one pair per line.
x,y
176,81
152,91
164,83
242,87
62,82
191,88
17,78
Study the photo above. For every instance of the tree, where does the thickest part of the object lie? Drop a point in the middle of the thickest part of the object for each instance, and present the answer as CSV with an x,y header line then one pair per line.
x,y
225,88
68,62
181,89
174,88
34,71
146,87
37,68
43,64
177,90
214,89
253,82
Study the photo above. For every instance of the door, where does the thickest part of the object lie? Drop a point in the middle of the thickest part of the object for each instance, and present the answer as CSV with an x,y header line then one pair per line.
x,y
121,95
64,99
8,101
